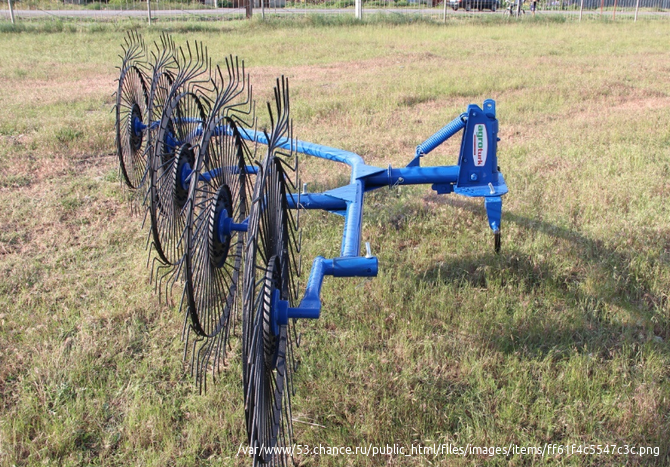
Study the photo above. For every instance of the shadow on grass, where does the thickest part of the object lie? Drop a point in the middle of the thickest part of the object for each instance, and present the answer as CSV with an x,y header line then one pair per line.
x,y
588,301
613,284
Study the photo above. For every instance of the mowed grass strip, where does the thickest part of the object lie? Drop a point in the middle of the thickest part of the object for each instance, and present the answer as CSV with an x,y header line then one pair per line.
x,y
562,338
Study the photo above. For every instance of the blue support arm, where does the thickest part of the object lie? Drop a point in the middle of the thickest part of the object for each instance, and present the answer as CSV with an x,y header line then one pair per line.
x,y
321,201
310,305
353,221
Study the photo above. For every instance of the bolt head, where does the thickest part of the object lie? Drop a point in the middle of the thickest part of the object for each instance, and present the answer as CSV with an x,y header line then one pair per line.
x,y
473,177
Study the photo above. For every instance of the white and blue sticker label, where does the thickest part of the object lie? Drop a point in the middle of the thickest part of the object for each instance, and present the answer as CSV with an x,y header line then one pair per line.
x,y
480,145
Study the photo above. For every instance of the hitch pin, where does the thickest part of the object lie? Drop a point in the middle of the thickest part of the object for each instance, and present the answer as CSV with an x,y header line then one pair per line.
x,y
368,253
493,192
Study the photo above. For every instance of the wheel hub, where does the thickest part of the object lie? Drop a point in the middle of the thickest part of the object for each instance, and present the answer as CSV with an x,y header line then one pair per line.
x,y
135,136
184,161
219,244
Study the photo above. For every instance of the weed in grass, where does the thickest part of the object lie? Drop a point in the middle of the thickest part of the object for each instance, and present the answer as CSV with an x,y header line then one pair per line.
x,y
66,135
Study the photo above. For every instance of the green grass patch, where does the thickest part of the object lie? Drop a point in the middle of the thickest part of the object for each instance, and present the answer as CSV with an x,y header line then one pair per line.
x,y
563,338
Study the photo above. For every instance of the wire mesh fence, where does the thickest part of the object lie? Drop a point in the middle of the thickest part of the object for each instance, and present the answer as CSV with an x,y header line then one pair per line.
x,y
233,9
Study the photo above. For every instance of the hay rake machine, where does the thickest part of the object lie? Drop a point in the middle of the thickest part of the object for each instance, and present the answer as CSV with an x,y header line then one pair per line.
x,y
225,222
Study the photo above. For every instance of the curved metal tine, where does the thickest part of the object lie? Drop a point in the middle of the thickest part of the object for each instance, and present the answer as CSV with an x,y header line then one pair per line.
x,y
193,76
238,82
228,106
192,69
162,61
134,49
164,52
282,127
166,281
134,55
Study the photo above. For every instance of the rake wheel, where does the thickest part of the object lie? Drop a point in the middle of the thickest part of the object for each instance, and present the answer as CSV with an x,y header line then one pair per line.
x,y
213,261
220,193
174,156
266,348
131,113
271,270
175,149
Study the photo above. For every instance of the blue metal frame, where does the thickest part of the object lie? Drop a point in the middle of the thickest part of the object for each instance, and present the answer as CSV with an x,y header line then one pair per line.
x,y
476,175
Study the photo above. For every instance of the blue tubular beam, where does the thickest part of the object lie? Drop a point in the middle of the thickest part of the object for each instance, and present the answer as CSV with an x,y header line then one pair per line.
x,y
413,176
356,266
208,176
351,237
188,120
353,219
311,149
315,201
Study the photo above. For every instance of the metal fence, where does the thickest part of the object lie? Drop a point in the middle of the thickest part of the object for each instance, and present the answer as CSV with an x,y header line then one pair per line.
x,y
231,9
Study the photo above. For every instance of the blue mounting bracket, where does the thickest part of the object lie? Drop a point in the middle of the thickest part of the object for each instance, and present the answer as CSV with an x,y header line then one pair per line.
x,y
138,127
478,174
185,176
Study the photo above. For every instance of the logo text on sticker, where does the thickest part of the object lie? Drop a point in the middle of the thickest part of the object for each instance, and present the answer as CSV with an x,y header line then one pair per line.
x,y
480,145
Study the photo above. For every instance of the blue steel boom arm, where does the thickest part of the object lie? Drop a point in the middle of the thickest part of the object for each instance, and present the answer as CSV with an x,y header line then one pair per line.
x,y
476,175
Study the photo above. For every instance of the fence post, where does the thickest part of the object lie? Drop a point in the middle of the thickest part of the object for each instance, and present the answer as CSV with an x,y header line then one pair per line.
x,y
614,12
149,10
602,4
250,8
359,9
581,9
445,10
11,11
637,7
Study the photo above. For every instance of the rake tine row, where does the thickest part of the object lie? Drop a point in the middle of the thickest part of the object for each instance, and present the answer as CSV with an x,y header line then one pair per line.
x,y
184,139
219,187
131,103
270,275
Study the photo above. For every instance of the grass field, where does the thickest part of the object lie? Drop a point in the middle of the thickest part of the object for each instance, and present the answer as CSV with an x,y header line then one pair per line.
x,y
563,338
